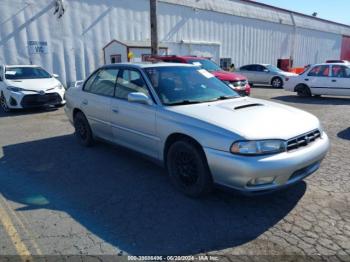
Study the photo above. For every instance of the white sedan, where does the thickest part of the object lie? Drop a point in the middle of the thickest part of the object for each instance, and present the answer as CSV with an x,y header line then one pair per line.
x,y
26,86
321,79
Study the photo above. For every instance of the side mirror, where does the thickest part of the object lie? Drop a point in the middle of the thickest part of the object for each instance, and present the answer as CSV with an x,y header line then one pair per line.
x,y
77,84
55,75
138,97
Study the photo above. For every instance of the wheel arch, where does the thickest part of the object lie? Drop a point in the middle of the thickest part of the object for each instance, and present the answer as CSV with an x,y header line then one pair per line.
x,y
172,138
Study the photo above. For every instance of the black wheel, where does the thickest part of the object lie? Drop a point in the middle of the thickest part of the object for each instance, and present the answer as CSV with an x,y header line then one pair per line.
x,y
277,82
188,169
303,90
83,130
3,104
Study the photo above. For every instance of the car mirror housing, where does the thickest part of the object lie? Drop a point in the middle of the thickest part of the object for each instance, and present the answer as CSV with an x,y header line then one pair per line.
x,y
55,75
138,97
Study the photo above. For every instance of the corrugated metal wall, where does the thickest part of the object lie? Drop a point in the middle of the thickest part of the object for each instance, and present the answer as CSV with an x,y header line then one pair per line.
x,y
76,40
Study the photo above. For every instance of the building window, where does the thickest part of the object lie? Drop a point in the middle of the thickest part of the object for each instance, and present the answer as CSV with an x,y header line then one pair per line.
x,y
116,59
225,63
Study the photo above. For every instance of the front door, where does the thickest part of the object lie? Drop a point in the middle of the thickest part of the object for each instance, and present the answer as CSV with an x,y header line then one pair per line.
x,y
133,124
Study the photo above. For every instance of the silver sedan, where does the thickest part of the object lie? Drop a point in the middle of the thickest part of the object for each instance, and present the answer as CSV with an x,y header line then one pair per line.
x,y
203,132
265,74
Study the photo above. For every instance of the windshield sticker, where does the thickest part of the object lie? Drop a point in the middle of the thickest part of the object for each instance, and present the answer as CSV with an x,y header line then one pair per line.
x,y
11,73
197,63
205,73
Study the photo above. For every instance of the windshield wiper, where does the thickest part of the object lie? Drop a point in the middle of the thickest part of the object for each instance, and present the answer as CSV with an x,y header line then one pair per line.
x,y
183,102
223,98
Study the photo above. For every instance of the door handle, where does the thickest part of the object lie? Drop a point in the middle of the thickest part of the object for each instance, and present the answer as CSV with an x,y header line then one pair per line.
x,y
115,110
334,80
306,79
85,102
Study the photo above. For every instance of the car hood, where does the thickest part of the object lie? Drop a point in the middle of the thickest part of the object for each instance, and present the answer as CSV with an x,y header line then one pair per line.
x,y
34,84
228,76
252,118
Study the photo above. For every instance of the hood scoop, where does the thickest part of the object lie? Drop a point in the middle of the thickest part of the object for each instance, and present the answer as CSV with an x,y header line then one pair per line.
x,y
247,105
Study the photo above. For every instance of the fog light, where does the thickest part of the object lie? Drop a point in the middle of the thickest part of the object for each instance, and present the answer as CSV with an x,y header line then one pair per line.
x,y
13,101
261,181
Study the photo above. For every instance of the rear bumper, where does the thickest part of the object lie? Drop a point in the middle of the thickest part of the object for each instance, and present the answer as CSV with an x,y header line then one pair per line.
x,y
279,171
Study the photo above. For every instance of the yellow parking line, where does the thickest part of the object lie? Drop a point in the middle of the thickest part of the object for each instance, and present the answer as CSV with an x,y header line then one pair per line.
x,y
31,238
5,220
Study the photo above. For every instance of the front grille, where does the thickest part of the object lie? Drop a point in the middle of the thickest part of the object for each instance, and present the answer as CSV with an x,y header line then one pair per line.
x,y
303,140
41,100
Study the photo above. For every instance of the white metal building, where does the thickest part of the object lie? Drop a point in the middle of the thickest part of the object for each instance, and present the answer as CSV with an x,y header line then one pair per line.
x,y
77,38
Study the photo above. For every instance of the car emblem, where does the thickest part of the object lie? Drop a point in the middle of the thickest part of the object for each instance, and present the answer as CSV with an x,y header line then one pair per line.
x,y
42,92
307,139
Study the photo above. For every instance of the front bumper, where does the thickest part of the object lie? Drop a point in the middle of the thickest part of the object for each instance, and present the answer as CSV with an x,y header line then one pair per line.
x,y
238,172
32,99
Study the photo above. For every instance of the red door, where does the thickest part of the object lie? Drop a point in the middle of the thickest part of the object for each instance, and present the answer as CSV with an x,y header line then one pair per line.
x,y
345,48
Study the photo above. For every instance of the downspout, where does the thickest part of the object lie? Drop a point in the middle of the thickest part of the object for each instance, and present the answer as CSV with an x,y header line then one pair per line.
x,y
292,51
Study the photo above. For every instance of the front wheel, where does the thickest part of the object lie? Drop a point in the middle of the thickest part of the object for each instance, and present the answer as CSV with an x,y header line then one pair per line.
x,y
3,104
303,91
82,130
277,82
188,169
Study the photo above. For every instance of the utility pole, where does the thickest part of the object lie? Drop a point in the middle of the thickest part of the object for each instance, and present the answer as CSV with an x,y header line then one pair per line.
x,y
154,27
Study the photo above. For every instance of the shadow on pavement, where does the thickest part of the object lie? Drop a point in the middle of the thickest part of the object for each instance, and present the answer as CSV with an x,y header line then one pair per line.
x,y
314,100
31,111
127,200
345,134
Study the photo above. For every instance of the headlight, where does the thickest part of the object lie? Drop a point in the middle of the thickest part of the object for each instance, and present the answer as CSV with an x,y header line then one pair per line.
x,y
60,86
258,147
15,89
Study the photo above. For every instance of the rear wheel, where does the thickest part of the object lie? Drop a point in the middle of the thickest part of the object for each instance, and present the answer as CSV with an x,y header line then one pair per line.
x,y
188,169
82,130
277,82
3,104
303,90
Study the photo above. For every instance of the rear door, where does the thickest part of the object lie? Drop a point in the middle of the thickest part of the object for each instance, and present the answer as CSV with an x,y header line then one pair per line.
x,y
95,101
318,80
340,80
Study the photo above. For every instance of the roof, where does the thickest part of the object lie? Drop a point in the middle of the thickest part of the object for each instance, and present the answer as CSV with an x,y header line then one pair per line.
x,y
148,65
260,11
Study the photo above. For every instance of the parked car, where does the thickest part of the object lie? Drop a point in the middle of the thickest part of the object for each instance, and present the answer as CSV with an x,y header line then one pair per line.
x,y
200,129
321,79
25,86
264,74
236,81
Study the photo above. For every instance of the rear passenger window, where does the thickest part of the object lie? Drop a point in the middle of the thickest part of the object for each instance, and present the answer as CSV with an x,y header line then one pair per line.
x,y
103,83
340,71
130,81
319,71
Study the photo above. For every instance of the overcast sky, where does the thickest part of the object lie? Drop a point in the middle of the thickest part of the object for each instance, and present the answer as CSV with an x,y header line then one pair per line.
x,y
335,10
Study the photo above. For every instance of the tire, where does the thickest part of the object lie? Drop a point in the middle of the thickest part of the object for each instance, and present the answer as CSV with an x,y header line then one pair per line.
x,y
3,104
82,130
303,90
277,82
188,169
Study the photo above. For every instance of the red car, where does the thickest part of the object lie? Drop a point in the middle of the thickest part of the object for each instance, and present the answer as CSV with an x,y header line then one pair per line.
x,y
236,81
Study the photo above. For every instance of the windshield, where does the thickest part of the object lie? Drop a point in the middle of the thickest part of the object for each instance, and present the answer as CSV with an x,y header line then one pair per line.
x,y
187,85
15,73
205,64
273,68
